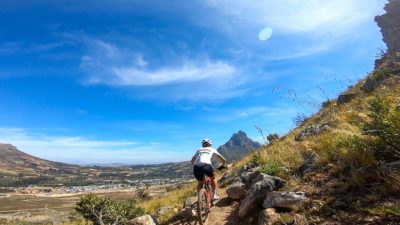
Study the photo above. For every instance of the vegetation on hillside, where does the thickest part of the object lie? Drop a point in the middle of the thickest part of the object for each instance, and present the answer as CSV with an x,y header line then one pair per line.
x,y
357,158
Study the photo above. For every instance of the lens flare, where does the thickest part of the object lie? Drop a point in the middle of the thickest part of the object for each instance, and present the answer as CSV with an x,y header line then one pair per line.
x,y
265,34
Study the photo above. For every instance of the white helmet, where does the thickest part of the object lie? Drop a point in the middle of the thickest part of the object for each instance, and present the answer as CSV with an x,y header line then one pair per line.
x,y
206,142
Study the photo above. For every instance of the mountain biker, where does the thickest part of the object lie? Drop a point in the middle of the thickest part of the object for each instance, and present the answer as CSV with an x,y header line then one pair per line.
x,y
201,162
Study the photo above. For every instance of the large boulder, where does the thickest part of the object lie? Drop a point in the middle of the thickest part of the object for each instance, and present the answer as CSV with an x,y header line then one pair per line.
x,y
268,217
308,164
263,185
312,130
142,220
292,200
236,191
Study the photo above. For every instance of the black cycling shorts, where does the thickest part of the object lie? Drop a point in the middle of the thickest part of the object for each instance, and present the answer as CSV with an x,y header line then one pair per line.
x,y
200,171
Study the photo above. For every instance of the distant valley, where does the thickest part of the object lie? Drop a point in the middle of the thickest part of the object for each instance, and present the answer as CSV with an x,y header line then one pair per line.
x,y
20,169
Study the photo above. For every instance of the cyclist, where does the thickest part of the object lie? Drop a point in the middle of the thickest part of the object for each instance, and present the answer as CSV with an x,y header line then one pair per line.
x,y
201,162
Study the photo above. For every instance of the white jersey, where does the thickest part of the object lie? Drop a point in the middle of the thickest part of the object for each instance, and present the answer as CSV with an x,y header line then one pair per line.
x,y
204,155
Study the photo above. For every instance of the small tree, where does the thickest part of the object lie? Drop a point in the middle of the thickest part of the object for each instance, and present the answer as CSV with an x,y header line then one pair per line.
x,y
272,138
104,211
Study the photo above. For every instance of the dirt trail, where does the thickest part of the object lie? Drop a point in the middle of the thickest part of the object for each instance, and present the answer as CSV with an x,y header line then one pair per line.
x,y
224,212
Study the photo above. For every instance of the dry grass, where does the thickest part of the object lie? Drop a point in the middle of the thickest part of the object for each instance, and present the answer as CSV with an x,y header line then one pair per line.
x,y
174,198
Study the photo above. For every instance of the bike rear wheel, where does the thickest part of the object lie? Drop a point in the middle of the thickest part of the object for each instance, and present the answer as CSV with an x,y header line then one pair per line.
x,y
202,207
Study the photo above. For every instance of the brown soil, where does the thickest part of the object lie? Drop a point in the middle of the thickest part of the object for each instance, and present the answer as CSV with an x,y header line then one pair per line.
x,y
224,212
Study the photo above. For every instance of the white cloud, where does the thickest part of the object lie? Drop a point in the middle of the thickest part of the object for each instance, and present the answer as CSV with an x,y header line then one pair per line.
x,y
82,149
294,16
188,79
107,64
188,72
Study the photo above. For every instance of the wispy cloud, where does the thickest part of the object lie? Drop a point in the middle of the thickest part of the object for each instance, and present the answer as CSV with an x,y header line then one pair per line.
x,y
77,148
188,79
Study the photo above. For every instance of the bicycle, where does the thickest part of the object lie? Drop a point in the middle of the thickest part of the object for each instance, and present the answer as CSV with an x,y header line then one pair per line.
x,y
204,201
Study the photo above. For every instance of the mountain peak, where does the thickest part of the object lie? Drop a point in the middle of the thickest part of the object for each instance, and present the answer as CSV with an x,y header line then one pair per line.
x,y
238,146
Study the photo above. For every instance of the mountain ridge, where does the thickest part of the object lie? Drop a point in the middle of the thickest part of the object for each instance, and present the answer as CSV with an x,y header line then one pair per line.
x,y
238,146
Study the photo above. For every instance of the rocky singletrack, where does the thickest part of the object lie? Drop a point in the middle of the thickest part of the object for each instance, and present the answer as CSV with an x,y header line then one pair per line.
x,y
224,212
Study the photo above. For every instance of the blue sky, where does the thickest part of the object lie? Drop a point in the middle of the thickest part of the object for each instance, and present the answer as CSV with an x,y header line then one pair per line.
x,y
144,81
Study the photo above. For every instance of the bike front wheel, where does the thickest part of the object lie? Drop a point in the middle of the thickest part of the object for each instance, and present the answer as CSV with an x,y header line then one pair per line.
x,y
202,207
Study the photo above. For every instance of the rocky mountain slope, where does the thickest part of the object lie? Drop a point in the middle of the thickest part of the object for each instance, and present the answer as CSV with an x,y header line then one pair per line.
x,y
238,146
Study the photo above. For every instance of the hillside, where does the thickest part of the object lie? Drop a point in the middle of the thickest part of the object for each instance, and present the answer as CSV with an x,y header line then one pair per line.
x,y
20,169
339,166
238,146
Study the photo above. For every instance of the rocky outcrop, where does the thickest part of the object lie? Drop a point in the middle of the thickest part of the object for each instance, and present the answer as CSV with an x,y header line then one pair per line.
x,y
311,131
263,184
390,26
236,191
308,165
142,220
291,200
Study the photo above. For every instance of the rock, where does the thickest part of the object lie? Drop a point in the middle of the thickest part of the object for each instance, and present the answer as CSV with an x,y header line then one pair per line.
x,y
258,192
190,202
142,220
311,131
236,191
248,176
165,210
292,200
300,219
186,213
268,217
370,84
227,178
345,98
389,24
308,165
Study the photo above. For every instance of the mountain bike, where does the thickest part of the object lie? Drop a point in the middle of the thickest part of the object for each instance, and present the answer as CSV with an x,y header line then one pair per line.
x,y
204,201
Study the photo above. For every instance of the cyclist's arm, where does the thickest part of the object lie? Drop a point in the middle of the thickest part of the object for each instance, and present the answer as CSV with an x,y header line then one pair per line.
x,y
193,158
220,157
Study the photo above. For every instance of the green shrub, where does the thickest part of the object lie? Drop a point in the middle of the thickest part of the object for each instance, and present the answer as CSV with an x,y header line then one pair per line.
x,y
271,167
384,126
272,138
103,210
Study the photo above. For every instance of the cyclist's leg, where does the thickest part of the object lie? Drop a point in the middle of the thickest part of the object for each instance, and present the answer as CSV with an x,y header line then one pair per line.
x,y
209,171
199,174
